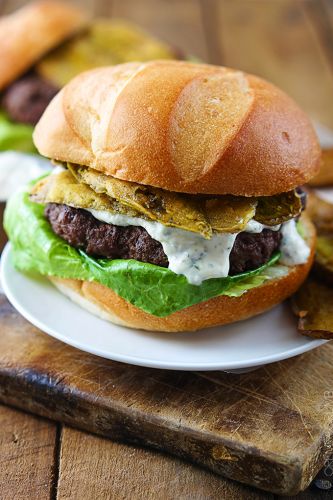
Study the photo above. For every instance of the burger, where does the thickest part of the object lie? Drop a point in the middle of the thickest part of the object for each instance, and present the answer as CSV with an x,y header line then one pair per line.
x,y
45,44
175,203
25,37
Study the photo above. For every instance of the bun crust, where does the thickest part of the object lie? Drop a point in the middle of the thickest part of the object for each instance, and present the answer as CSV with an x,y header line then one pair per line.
x,y
32,31
192,128
106,304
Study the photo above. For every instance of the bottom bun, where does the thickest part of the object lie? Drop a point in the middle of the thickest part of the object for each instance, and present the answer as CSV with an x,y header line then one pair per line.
x,y
106,304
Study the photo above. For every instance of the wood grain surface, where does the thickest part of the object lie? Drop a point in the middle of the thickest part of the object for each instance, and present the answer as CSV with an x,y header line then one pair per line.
x,y
280,41
270,428
91,467
27,447
289,43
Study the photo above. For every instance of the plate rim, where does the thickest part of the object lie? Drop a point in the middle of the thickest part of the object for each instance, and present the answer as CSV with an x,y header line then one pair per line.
x,y
140,361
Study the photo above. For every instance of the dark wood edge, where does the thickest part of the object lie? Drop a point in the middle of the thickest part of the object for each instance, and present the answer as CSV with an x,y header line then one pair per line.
x,y
54,401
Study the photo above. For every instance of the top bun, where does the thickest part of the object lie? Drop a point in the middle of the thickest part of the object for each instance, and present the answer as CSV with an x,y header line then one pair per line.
x,y
32,31
192,128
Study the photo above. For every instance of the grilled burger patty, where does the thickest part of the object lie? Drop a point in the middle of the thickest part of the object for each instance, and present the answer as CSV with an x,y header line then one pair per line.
x,y
81,230
252,250
26,99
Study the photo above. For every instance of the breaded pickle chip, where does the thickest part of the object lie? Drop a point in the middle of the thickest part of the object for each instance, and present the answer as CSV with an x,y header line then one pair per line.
x,y
83,187
230,213
63,188
272,210
203,215
105,43
171,209
321,213
68,189
323,265
313,304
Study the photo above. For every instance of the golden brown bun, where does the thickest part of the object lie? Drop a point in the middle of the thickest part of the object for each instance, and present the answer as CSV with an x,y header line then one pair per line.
x,y
32,31
181,126
106,304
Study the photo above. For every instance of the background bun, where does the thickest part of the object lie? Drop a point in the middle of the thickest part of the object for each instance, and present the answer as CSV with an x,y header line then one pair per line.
x,y
105,303
182,126
32,31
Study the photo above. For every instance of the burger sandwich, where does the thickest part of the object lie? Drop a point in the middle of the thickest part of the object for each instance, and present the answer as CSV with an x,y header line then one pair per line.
x,y
44,45
25,37
176,202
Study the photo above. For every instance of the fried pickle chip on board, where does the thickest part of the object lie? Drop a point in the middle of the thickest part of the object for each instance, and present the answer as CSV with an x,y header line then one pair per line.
x,y
313,305
325,176
320,212
323,264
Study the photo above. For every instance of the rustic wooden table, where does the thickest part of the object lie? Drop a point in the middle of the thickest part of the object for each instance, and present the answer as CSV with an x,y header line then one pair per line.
x,y
291,44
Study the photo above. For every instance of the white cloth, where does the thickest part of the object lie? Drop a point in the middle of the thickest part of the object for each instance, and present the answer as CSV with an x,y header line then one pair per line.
x,y
17,169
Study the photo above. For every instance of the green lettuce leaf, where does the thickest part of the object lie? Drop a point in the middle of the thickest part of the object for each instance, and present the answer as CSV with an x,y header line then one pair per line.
x,y
154,289
15,136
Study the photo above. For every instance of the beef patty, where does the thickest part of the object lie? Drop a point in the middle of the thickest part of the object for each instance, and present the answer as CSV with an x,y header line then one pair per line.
x,y
26,99
252,250
81,230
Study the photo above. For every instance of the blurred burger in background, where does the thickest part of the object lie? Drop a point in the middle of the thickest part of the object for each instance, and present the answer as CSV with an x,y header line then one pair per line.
x,y
104,42
25,37
46,44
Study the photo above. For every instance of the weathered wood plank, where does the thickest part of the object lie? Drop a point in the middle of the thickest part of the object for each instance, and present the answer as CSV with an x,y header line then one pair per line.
x,y
211,24
320,17
327,5
11,5
2,6
93,7
92,467
271,428
311,493
275,40
27,445
90,6
177,22
103,8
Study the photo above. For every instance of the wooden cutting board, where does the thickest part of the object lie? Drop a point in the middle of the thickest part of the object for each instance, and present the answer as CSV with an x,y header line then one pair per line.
x,y
271,428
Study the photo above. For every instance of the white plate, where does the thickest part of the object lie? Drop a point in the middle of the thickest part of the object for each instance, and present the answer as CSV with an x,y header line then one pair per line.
x,y
265,339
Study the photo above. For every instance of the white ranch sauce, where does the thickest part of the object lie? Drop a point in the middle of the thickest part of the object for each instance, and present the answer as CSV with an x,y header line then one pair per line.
x,y
293,248
199,259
